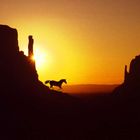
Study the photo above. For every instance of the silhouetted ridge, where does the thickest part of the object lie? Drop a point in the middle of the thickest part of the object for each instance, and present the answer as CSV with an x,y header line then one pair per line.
x,y
131,84
133,76
17,70
8,42
29,109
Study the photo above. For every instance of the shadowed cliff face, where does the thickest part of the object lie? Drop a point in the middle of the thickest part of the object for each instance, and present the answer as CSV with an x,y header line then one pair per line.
x,y
8,43
131,84
17,70
30,110
134,72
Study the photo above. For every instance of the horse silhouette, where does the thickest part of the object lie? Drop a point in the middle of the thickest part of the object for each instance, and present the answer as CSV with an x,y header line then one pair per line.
x,y
56,83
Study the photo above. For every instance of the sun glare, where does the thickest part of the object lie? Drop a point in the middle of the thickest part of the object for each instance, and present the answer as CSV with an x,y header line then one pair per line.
x,y
40,58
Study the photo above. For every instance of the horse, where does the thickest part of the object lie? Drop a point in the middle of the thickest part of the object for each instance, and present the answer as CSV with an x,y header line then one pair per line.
x,y
56,83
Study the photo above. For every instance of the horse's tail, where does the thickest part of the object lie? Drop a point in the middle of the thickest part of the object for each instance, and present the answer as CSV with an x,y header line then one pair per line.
x,y
48,81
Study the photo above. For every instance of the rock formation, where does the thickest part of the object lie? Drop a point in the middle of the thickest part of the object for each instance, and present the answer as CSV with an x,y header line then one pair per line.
x,y
29,109
131,84
17,70
133,76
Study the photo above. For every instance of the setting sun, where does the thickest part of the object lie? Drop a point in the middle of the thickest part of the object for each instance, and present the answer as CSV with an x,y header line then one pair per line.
x,y
86,45
40,58
70,69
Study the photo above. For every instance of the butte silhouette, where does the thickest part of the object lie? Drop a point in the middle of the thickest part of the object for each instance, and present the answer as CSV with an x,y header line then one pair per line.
x,y
29,109
29,112
18,71
131,85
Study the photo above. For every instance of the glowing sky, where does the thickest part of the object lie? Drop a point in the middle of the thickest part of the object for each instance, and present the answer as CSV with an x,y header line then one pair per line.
x,y
84,41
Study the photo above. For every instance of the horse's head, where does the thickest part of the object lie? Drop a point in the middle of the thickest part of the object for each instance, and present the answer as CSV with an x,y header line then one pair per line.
x,y
64,80
46,82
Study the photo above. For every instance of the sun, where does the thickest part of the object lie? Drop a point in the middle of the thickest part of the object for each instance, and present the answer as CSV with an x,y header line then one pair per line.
x,y
40,58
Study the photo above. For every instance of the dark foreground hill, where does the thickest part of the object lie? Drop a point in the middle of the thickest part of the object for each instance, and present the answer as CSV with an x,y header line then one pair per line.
x,y
31,111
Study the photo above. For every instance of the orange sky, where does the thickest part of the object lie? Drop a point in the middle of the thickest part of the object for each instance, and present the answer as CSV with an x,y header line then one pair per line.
x,y
84,41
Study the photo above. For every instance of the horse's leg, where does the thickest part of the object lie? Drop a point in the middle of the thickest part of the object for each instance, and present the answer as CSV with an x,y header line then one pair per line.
x,y
51,85
60,86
